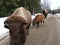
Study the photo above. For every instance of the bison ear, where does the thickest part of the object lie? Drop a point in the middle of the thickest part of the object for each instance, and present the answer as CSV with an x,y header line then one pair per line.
x,y
6,25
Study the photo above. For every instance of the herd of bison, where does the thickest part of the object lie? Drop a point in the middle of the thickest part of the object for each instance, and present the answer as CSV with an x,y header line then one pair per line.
x,y
19,23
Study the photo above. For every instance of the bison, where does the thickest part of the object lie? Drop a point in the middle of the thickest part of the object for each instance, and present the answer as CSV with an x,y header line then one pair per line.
x,y
18,24
38,19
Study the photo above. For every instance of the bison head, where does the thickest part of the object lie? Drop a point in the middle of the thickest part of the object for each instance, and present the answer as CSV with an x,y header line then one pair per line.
x,y
45,12
17,32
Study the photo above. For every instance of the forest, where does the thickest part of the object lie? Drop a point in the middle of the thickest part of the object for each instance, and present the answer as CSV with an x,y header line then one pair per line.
x,y
8,6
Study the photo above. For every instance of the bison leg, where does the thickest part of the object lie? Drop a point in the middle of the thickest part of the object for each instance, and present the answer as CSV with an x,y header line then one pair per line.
x,y
37,24
43,22
28,29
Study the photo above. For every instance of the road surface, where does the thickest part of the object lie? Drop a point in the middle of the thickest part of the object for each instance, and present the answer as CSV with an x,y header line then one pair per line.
x,y
49,34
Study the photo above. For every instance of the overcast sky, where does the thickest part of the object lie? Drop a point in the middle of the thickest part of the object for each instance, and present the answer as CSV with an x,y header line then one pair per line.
x,y
54,4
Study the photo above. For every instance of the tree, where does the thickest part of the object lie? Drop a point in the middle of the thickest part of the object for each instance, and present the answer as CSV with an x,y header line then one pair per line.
x,y
8,6
46,4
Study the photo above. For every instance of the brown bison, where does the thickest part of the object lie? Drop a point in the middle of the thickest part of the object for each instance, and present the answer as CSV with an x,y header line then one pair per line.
x,y
38,19
18,24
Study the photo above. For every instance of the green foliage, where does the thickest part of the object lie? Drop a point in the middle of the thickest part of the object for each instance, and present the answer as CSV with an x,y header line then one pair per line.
x,y
8,6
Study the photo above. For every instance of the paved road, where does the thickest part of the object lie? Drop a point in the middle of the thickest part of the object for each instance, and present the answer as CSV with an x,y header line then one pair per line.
x,y
49,34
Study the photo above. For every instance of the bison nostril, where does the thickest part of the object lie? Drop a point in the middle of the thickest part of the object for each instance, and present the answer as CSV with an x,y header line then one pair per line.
x,y
19,32
6,26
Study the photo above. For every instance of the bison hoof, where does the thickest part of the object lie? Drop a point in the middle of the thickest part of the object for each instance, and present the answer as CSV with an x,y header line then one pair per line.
x,y
36,27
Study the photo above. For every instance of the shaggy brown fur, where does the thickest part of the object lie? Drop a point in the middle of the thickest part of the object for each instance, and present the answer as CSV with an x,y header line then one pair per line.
x,y
18,24
38,19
